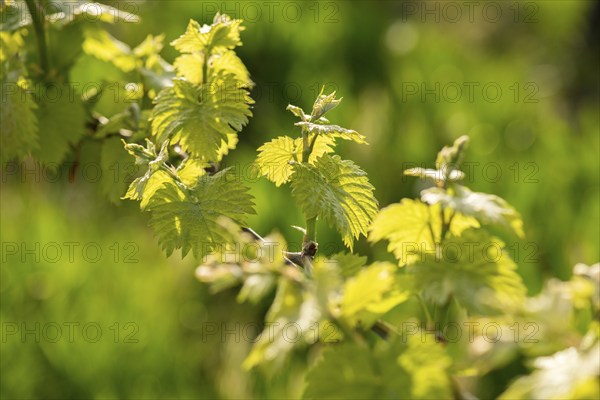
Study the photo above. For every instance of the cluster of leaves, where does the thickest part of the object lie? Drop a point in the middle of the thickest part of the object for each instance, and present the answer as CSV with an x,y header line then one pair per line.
x,y
444,229
323,185
39,97
449,267
84,92
201,113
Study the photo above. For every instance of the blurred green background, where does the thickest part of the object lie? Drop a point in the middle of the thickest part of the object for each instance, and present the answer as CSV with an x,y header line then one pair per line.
x,y
520,78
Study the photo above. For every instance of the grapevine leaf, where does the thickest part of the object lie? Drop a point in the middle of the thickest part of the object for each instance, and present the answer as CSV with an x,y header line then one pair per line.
x,y
371,293
191,170
102,45
298,112
274,159
333,131
405,369
323,104
187,219
229,62
292,307
224,33
322,145
337,191
61,124
450,157
156,71
427,362
189,66
409,226
275,156
232,141
487,208
201,119
144,187
19,128
475,270
192,40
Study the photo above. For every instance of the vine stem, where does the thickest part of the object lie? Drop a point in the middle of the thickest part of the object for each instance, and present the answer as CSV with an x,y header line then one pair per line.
x,y
311,223
38,17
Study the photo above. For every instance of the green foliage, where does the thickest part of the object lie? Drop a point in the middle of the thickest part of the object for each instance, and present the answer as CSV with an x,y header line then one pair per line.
x,y
347,312
54,116
202,119
374,291
412,227
487,208
337,191
19,130
209,102
413,368
19,123
451,259
473,269
105,47
187,218
323,185
201,112
275,157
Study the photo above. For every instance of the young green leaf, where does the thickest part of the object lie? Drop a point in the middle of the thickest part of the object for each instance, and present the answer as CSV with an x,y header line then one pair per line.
x,y
105,47
450,157
191,67
188,219
337,191
202,118
298,112
475,270
143,188
191,170
223,34
332,131
412,228
323,104
371,293
274,157
487,208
